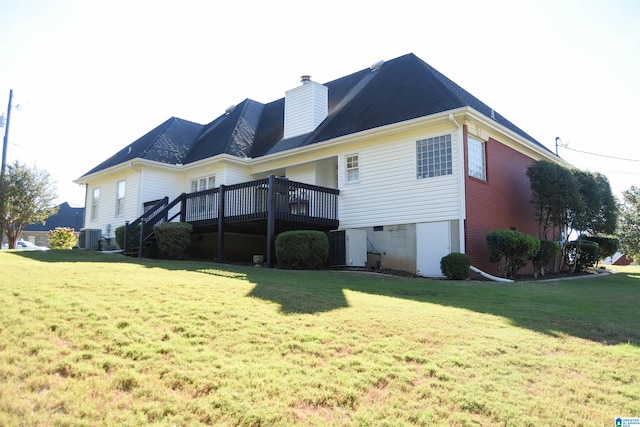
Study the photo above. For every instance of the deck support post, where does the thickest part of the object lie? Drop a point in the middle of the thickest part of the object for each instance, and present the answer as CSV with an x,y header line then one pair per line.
x,y
141,243
271,218
221,209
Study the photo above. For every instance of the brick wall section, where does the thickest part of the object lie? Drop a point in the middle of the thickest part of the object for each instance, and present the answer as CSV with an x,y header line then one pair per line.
x,y
502,202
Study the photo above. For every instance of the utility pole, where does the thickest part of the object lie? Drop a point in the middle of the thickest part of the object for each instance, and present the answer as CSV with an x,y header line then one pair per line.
x,y
5,142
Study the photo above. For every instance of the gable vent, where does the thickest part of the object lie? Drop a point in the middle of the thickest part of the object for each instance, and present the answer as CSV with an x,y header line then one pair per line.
x,y
305,107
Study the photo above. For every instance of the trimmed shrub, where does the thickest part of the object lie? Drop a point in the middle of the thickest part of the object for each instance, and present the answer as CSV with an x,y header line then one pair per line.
x,y
513,248
455,266
120,234
62,238
607,246
582,255
546,253
304,249
173,239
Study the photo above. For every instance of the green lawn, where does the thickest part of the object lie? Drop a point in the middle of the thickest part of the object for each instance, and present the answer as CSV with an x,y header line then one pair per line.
x,y
95,339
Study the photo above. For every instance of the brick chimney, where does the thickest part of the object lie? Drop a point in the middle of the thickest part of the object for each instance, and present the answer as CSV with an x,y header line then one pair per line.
x,y
305,107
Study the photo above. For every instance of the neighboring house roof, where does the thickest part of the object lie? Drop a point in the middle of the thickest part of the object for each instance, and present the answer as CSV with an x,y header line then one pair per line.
x,y
65,217
404,88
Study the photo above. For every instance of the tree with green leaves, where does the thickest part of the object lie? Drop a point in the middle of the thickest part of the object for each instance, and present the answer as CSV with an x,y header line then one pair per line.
x,y
597,212
26,197
554,193
629,223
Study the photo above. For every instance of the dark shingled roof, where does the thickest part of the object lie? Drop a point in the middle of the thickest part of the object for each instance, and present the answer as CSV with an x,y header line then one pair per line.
x,y
404,88
66,217
168,143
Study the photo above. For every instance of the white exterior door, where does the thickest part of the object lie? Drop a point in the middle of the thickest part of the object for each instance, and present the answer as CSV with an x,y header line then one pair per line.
x,y
433,240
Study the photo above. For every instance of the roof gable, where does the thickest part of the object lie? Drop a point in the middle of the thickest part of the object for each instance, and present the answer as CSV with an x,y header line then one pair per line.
x,y
169,143
232,133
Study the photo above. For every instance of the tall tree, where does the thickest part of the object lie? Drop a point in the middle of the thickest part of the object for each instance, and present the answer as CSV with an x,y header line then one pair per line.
x,y
554,192
597,212
629,223
27,195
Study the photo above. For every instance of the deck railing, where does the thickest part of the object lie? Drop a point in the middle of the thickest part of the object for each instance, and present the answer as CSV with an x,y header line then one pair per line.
x,y
270,198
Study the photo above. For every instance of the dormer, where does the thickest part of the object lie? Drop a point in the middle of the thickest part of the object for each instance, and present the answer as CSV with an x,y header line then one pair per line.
x,y
305,107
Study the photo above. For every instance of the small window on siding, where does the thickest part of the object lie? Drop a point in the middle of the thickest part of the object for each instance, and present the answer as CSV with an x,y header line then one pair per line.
x,y
95,203
202,206
204,183
120,193
477,158
353,171
434,157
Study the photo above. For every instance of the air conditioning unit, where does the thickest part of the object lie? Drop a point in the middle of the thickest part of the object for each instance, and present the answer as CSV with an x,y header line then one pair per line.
x,y
348,248
89,238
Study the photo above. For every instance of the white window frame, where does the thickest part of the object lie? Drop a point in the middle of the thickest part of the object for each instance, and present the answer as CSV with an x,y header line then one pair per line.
x,y
199,204
434,157
121,191
352,167
95,203
477,158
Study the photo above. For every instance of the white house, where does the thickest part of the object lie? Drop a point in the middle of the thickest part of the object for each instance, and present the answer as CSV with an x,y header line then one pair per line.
x,y
403,160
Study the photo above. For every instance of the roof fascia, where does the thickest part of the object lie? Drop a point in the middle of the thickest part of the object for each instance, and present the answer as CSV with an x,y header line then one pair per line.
x,y
136,164
220,158
474,117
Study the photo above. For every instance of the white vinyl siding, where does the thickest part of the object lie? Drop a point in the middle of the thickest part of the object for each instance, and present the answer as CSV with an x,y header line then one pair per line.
x,y
305,108
389,192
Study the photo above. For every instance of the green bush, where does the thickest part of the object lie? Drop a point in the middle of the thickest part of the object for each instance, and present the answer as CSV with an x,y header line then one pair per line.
x,y
582,256
62,238
513,248
546,253
455,266
607,246
304,249
120,234
173,239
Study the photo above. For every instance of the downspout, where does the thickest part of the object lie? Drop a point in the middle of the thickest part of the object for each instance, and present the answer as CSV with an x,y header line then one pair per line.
x,y
489,276
461,214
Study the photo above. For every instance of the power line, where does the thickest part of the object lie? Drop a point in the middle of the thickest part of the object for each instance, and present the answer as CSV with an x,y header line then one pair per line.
x,y
599,155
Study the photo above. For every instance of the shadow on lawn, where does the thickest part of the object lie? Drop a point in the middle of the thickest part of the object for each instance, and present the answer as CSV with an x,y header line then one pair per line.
x,y
601,309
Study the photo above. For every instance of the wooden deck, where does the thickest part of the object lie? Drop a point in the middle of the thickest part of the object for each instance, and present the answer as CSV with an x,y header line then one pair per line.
x,y
268,206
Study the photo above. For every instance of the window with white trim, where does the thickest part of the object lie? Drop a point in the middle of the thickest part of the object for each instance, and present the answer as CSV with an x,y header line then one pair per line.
x,y
434,157
352,168
120,192
200,205
95,203
477,158
204,183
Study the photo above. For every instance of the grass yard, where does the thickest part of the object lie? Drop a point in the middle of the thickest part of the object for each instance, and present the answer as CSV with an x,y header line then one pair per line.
x,y
95,339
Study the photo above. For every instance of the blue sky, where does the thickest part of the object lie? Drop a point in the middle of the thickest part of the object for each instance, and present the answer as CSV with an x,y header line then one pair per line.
x,y
93,76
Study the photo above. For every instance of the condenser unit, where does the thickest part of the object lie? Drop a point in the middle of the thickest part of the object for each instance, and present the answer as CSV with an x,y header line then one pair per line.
x,y
89,238
348,248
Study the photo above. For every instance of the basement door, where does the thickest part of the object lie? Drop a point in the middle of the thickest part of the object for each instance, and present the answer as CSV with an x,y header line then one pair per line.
x,y
433,241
